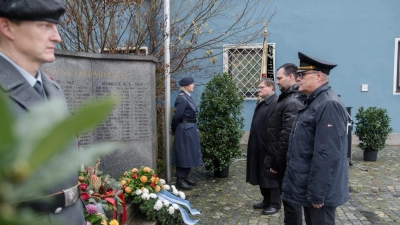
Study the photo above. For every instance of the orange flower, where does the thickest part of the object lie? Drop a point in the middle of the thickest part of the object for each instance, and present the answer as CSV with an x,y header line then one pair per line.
x,y
143,179
128,190
123,182
135,170
157,188
146,169
152,179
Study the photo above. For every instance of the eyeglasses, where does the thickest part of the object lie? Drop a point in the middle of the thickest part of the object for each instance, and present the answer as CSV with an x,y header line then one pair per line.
x,y
302,74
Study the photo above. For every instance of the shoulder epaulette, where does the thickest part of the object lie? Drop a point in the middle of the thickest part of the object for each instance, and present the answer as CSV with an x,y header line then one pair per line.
x,y
181,94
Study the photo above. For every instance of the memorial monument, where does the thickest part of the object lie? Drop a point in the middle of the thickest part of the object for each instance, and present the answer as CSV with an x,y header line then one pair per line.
x,y
132,122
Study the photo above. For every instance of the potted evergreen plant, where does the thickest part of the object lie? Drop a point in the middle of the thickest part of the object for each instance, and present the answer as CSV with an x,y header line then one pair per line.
x,y
221,124
372,129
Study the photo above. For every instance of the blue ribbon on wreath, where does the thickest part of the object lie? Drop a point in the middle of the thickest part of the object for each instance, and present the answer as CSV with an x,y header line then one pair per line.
x,y
165,195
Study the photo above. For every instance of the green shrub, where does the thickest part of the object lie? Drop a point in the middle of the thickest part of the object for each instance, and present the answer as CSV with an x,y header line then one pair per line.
x,y
372,128
220,122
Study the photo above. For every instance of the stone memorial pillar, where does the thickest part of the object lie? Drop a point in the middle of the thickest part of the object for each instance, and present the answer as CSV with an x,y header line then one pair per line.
x,y
132,122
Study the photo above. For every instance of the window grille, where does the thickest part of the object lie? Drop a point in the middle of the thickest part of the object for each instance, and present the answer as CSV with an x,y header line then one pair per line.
x,y
243,64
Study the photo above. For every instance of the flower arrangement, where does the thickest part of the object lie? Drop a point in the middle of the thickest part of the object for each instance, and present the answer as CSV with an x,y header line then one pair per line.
x,y
155,198
99,193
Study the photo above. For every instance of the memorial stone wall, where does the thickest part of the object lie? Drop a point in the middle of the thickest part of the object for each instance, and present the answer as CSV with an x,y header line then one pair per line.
x,y
132,123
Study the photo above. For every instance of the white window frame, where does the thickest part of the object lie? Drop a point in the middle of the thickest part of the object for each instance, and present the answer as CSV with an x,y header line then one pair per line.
x,y
396,76
226,63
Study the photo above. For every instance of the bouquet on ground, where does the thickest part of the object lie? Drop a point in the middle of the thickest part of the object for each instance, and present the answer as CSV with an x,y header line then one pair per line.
x,y
100,193
158,200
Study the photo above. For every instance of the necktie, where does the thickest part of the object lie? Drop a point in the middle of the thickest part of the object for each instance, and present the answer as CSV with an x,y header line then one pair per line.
x,y
39,89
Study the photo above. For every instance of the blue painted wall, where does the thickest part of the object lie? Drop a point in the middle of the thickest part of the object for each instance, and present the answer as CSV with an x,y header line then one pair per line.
x,y
358,35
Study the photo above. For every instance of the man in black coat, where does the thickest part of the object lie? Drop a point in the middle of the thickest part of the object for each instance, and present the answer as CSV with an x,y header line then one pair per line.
x,y
262,142
316,176
28,35
289,103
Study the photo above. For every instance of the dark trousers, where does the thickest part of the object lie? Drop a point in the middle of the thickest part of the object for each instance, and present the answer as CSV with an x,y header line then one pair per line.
x,y
182,172
293,214
321,216
272,197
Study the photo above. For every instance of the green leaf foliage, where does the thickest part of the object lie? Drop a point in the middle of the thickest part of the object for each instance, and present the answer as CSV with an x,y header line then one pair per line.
x,y
220,122
372,128
39,149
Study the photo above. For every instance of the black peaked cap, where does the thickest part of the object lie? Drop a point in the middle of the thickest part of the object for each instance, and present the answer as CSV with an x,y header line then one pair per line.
x,y
32,10
311,63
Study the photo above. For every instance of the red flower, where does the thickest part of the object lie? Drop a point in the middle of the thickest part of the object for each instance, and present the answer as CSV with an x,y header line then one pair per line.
x,y
84,186
152,185
134,176
84,196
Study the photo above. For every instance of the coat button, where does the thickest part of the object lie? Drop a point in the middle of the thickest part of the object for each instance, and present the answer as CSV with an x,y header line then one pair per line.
x,y
59,209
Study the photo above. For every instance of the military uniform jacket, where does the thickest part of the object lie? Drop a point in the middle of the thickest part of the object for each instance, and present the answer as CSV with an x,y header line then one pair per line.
x,y
317,166
261,143
22,97
186,145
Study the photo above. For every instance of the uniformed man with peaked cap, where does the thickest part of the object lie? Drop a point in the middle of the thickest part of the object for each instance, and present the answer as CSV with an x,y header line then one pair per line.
x,y
28,35
316,176
186,148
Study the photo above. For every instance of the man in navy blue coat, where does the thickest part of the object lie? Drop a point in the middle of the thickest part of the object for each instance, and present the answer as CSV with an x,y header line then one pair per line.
x,y
316,176
186,153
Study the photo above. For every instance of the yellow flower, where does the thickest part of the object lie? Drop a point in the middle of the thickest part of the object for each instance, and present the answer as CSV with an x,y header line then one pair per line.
x,y
103,222
157,188
146,169
114,222
135,170
123,182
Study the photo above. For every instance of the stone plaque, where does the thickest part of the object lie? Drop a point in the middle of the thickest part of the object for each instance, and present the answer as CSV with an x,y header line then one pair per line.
x,y
132,122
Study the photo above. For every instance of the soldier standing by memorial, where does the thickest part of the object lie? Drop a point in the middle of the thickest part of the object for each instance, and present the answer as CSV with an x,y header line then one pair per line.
x,y
316,175
28,35
186,148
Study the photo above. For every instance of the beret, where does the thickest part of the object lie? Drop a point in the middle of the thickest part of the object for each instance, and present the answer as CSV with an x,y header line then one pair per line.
x,y
32,10
310,63
186,81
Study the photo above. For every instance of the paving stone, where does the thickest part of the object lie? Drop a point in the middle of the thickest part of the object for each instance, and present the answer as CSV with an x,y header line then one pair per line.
x,y
374,191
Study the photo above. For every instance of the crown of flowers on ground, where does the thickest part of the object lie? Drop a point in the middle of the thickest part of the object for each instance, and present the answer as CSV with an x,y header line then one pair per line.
x,y
156,199
100,193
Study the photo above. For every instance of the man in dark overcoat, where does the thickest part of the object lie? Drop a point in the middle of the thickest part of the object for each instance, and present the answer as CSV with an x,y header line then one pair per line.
x,y
261,142
186,152
316,175
289,103
28,35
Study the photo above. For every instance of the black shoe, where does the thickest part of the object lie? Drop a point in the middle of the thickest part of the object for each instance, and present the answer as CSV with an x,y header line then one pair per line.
x,y
270,211
190,181
181,184
260,205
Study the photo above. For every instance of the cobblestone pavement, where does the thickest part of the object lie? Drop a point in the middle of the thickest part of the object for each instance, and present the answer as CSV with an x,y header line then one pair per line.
x,y
374,189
